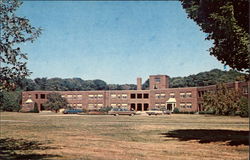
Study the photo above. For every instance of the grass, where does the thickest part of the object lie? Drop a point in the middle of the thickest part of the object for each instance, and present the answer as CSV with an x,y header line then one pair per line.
x,y
104,137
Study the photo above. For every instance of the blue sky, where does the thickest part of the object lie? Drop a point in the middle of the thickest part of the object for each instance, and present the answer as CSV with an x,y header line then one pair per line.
x,y
115,41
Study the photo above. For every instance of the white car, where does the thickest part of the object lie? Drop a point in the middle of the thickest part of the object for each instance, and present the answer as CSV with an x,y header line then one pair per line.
x,y
154,111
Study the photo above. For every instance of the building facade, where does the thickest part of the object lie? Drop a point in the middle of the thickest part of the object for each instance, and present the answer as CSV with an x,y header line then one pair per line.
x,y
159,95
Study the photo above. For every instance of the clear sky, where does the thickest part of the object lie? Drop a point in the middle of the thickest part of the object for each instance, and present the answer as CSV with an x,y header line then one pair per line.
x,y
115,41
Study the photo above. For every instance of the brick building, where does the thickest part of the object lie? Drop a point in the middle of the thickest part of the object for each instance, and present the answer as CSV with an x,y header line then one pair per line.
x,y
159,95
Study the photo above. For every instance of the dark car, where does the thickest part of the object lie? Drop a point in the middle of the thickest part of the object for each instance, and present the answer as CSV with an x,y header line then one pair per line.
x,y
72,111
121,111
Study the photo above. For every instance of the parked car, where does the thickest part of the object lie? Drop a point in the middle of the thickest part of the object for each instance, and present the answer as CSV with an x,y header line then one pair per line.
x,y
72,111
167,112
121,111
154,111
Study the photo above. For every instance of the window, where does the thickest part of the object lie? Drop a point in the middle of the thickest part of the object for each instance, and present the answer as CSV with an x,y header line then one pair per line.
x,y
79,105
36,96
172,95
157,105
201,93
189,105
182,105
124,96
42,96
132,96
118,96
163,95
100,96
157,96
99,105
182,95
157,79
139,96
113,105
245,90
91,96
163,105
145,95
113,96
189,94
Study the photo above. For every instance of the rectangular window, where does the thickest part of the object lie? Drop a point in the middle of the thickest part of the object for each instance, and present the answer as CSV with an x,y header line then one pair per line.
x,y
245,90
189,94
113,96
182,95
132,96
145,95
172,95
100,96
157,79
182,105
163,95
79,105
113,105
157,96
36,96
139,96
91,96
124,96
42,96
189,105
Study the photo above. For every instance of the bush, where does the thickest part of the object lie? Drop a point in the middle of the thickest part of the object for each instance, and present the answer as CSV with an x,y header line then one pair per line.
x,y
105,109
36,110
243,105
206,112
176,110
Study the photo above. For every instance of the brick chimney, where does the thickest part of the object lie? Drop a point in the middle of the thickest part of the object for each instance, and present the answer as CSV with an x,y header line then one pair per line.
x,y
139,83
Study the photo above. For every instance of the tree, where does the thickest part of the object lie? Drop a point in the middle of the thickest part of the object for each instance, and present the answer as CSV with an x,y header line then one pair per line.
x,y
226,23
55,102
10,101
14,31
222,101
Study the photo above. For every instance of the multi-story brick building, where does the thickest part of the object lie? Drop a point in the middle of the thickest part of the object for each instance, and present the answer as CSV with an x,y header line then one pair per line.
x,y
159,95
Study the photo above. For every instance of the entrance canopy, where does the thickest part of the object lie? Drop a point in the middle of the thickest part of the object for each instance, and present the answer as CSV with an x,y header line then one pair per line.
x,y
29,101
171,100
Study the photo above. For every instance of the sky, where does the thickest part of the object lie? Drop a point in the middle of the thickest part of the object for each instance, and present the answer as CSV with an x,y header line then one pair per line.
x,y
115,41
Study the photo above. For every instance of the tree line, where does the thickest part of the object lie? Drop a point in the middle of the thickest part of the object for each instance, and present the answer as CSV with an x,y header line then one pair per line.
x,y
77,84
211,77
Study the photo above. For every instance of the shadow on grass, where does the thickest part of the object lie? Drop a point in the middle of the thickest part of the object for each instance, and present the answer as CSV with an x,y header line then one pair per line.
x,y
21,149
233,138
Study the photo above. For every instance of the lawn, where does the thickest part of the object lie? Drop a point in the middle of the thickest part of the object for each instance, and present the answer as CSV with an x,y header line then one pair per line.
x,y
105,137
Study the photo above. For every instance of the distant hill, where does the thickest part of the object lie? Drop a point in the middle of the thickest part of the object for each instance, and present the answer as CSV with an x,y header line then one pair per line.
x,y
77,84
204,79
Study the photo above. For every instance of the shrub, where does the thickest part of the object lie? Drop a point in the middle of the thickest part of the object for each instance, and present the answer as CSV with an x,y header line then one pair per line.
x,y
176,110
36,110
105,109
243,105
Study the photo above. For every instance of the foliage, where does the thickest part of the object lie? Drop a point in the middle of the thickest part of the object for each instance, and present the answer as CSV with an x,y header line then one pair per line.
x,y
204,79
222,101
244,109
55,102
14,31
226,23
10,101
176,110
105,109
36,110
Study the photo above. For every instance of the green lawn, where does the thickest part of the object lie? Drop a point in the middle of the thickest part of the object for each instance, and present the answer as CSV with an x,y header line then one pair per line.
x,y
101,137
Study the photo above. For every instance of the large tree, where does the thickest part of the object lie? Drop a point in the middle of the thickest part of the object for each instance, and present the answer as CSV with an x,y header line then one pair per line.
x,y
55,102
226,22
14,31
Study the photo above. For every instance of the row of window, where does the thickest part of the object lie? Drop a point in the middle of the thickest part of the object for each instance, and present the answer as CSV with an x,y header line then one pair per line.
x,y
119,96
72,97
75,105
172,95
139,96
186,105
